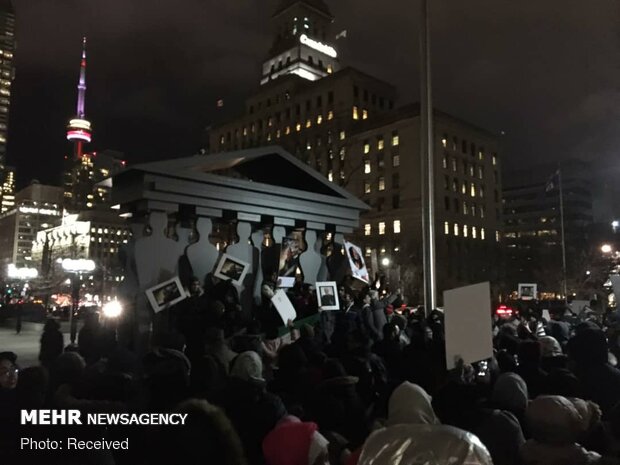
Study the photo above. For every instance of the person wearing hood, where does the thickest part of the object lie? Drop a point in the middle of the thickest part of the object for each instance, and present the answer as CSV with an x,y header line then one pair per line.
x,y
510,394
304,444
252,410
411,405
52,343
556,425
423,444
599,380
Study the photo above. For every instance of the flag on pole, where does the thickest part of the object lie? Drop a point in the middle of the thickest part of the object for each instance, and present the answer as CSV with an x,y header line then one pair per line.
x,y
342,35
553,181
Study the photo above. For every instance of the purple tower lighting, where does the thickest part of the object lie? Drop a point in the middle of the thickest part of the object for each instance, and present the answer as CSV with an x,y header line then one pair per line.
x,y
79,128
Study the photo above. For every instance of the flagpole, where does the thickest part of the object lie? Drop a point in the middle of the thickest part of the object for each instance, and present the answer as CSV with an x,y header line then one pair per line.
x,y
428,171
564,284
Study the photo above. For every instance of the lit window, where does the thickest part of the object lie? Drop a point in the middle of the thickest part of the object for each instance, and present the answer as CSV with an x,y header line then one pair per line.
x,y
473,209
494,160
298,127
380,143
342,153
270,122
472,170
343,135
319,119
395,139
364,114
396,226
482,234
381,183
253,128
464,187
222,139
481,192
444,142
278,134
497,237
446,228
454,167
366,147
245,131
381,228
472,192
367,187
480,172
308,123
481,211
480,155
465,230
367,229
269,137
366,166
356,113
456,229
445,162
287,130
473,232
330,115
396,160
465,208
368,251
330,175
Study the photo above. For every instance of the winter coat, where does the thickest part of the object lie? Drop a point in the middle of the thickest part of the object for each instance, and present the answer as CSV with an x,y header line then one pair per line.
x,y
423,444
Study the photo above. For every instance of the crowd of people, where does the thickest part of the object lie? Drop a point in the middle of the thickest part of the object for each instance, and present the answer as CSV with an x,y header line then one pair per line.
x,y
365,384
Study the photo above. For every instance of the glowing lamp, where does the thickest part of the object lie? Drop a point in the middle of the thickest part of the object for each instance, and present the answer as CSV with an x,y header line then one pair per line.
x,y
112,309
606,248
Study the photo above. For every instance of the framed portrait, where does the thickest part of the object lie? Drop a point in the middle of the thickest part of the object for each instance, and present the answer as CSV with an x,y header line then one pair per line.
x,y
356,262
165,294
528,291
231,268
327,295
290,250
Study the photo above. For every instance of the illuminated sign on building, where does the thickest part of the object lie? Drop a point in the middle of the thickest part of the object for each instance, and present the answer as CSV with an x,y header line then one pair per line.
x,y
21,273
319,46
40,211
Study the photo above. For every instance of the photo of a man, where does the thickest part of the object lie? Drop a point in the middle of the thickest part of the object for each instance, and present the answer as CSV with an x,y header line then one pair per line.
x,y
327,295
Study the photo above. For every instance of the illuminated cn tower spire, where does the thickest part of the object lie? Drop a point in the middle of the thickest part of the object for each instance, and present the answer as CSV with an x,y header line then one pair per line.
x,y
79,130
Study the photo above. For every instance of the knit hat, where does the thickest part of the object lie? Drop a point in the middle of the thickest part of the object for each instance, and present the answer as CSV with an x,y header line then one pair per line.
x,y
293,442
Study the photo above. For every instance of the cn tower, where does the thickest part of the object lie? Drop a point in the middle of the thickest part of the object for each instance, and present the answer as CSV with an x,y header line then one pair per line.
x,y
79,130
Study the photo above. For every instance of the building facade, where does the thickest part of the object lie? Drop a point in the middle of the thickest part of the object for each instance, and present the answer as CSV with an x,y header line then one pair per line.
x,y
385,172
82,176
7,74
94,235
344,123
37,207
533,227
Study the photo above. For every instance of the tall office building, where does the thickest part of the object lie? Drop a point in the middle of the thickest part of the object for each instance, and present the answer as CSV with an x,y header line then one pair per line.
x,y
82,177
533,228
301,43
37,207
384,166
7,74
344,123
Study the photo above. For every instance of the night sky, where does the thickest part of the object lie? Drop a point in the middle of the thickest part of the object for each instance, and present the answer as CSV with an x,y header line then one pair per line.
x,y
547,73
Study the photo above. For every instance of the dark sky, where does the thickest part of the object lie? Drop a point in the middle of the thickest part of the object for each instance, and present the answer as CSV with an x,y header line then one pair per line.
x,y
546,72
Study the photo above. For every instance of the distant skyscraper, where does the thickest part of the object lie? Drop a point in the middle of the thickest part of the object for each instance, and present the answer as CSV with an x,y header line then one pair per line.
x,y
7,73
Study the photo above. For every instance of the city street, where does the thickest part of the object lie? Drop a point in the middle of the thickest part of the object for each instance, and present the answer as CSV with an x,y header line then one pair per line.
x,y
25,344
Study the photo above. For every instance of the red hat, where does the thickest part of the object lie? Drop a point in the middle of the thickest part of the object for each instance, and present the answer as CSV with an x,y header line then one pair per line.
x,y
289,442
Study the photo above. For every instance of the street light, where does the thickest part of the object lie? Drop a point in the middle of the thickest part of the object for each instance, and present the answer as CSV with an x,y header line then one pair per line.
x,y
606,248
112,309
77,267
385,261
